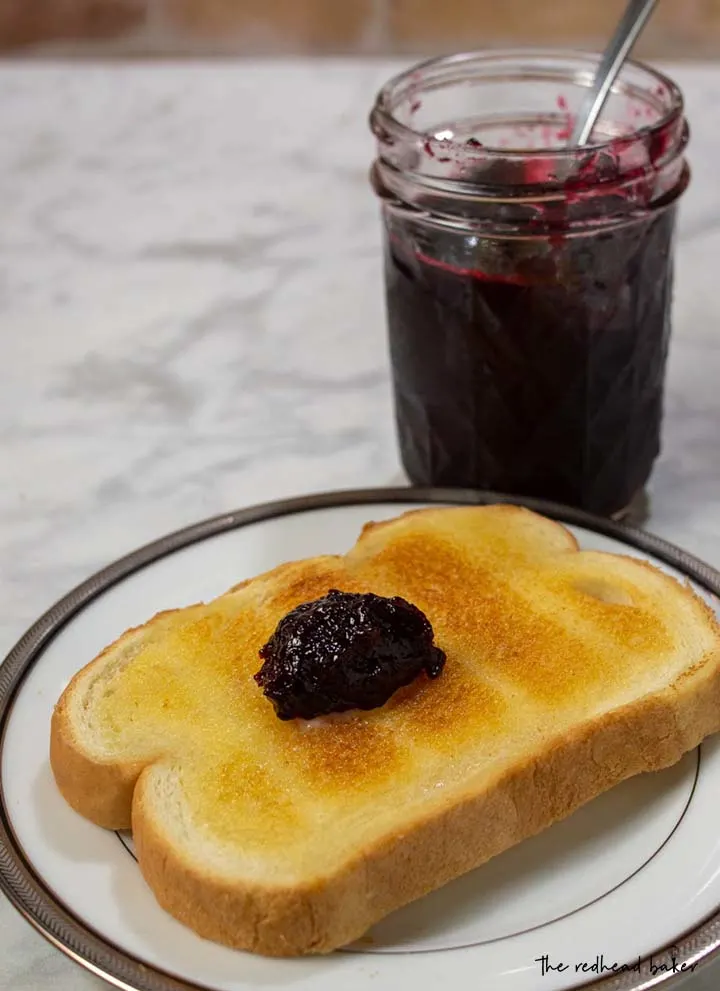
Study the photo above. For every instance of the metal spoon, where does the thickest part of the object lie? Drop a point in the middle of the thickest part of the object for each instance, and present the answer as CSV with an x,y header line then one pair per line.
x,y
631,24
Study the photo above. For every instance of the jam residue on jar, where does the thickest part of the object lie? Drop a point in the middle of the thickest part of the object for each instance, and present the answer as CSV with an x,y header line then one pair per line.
x,y
345,651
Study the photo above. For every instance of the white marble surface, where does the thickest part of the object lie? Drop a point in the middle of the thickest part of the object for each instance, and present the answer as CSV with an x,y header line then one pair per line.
x,y
191,320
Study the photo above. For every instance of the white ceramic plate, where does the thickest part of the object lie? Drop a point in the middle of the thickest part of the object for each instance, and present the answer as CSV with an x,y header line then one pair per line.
x,y
617,896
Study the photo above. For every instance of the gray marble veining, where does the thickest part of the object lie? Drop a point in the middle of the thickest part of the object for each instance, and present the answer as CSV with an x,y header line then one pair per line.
x,y
191,320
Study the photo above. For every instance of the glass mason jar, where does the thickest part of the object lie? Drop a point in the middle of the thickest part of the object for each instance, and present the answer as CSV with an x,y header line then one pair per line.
x,y
529,285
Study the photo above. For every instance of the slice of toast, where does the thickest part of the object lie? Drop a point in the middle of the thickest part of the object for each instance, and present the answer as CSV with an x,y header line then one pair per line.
x,y
566,673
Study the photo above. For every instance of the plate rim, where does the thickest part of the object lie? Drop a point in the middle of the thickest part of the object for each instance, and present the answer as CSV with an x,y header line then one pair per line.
x,y
24,886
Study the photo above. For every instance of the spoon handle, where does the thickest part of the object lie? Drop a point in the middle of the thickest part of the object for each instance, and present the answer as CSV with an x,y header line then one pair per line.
x,y
630,26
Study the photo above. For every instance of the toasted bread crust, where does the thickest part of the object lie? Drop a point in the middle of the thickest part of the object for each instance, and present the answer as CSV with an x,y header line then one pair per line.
x,y
100,791
98,788
333,909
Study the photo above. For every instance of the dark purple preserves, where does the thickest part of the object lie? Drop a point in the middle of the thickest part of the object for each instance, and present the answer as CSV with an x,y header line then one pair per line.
x,y
345,651
532,366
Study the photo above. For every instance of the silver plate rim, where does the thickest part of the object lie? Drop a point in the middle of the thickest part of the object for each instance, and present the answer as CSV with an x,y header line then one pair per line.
x,y
25,888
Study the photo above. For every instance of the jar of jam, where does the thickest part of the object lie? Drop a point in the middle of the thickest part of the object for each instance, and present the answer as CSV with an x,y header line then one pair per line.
x,y
528,283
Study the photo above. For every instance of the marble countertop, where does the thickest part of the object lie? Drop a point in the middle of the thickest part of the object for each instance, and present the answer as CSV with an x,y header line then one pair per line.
x,y
191,320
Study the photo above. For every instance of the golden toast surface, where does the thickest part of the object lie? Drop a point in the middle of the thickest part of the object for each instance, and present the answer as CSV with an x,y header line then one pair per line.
x,y
538,636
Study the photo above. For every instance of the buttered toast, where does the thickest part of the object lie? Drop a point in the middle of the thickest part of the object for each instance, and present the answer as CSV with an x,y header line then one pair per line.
x,y
565,672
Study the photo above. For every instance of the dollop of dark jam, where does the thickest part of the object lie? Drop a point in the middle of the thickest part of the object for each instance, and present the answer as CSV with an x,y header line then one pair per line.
x,y
346,651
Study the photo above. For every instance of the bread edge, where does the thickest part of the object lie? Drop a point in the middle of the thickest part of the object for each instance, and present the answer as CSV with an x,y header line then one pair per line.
x,y
98,788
